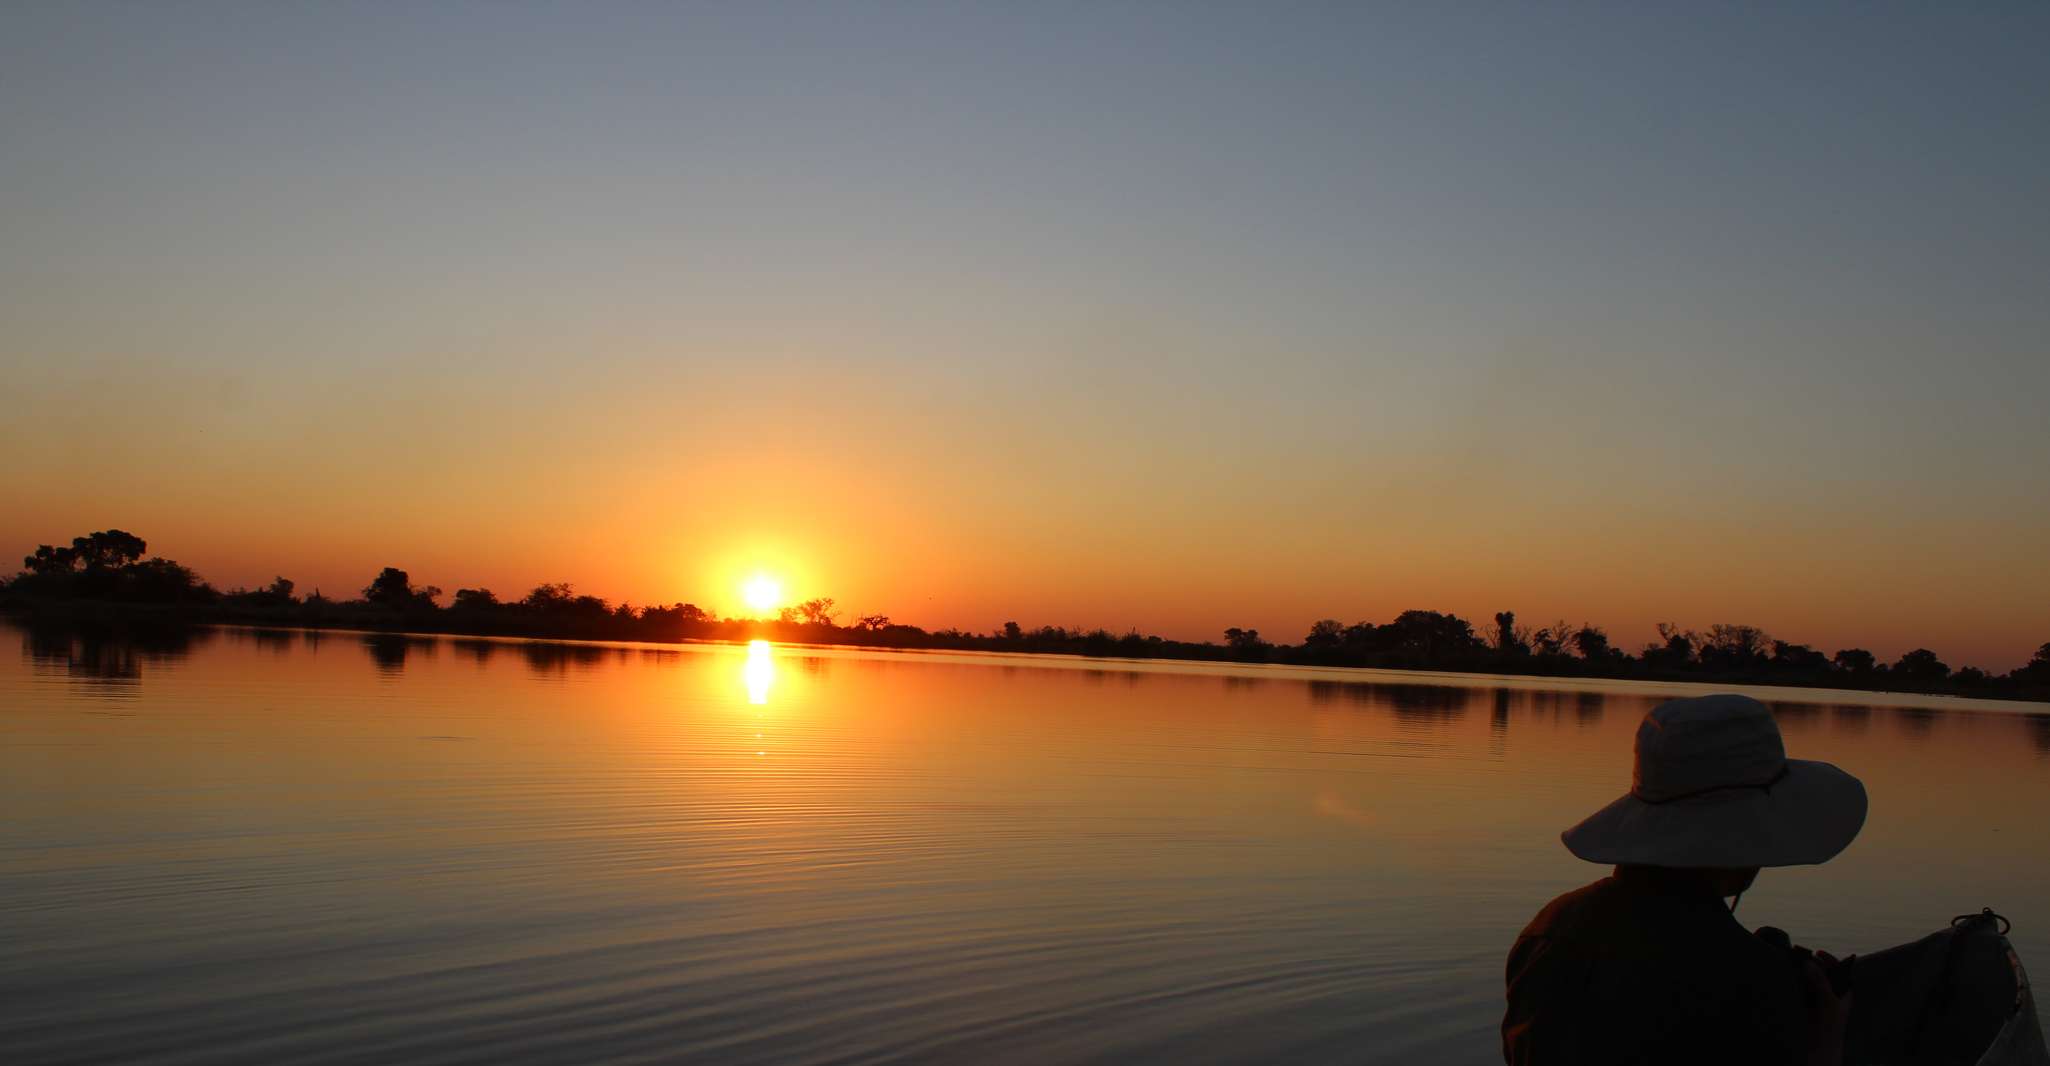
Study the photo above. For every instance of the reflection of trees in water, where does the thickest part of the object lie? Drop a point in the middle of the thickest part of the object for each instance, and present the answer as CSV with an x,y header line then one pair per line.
x,y
1553,703
1334,691
1853,718
1428,702
1506,705
110,659
108,663
815,665
1240,683
545,658
1099,676
274,641
1916,721
389,650
553,658
477,651
1411,702
1850,718
1806,714
1586,708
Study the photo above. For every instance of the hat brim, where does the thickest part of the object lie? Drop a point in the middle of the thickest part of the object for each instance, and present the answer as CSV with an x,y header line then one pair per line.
x,y
1806,817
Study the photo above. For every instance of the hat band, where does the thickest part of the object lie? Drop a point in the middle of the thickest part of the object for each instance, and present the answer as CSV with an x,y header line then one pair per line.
x,y
1766,785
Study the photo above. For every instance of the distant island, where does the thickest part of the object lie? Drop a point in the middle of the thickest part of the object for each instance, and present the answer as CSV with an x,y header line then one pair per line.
x,y
105,577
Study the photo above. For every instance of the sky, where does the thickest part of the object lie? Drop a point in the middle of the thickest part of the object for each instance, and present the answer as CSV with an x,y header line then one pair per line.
x,y
1173,317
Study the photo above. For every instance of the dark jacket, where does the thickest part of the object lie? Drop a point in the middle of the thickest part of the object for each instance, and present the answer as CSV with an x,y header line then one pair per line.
x,y
1632,970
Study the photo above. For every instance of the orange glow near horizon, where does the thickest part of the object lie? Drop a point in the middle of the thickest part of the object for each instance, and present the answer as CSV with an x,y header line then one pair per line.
x,y
989,555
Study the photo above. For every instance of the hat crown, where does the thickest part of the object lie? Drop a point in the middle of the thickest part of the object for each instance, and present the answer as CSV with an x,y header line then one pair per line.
x,y
1704,744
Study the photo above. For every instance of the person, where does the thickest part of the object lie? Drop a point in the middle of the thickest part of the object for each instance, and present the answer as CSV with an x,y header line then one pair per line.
x,y
1649,965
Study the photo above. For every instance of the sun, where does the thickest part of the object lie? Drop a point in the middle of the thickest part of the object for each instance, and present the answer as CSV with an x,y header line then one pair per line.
x,y
762,593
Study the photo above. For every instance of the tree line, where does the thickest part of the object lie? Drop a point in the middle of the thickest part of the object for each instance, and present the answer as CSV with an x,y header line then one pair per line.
x,y
107,572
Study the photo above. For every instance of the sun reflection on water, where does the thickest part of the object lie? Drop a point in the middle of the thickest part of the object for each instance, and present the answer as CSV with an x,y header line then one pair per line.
x,y
759,673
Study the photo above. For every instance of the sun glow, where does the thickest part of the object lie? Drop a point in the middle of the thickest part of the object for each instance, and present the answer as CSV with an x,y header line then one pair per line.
x,y
762,593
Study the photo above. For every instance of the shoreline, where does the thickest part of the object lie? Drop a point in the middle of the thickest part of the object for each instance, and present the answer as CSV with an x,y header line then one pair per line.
x,y
1168,656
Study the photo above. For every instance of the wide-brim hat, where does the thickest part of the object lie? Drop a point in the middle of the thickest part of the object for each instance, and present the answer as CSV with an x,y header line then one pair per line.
x,y
1713,787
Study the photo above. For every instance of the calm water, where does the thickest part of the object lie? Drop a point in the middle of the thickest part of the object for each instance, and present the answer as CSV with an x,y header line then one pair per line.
x,y
271,847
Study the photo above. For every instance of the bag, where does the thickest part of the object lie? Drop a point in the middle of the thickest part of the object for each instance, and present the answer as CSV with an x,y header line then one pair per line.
x,y
1958,997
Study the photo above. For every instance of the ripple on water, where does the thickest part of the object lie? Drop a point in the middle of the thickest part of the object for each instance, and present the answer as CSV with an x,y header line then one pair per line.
x,y
294,851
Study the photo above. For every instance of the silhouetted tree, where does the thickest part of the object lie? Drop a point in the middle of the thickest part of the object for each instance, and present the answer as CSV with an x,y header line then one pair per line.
x,y
107,549
1855,661
560,600
2037,670
276,594
1592,643
674,621
1552,640
1731,648
162,581
1246,643
474,600
49,562
1431,636
873,622
1920,666
1508,638
556,597
1674,649
1798,658
393,588
1012,632
816,612
1363,640
1325,633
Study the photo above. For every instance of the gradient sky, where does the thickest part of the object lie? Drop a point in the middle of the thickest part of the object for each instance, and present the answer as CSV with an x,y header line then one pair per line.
x,y
1164,316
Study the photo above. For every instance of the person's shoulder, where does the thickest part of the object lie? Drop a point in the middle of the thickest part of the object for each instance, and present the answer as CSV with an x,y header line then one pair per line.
x,y
1569,909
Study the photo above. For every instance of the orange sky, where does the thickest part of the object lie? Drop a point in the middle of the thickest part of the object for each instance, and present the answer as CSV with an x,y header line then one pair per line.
x,y
1122,320
976,533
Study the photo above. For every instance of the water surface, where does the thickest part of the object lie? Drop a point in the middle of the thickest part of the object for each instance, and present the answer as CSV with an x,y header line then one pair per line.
x,y
246,846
